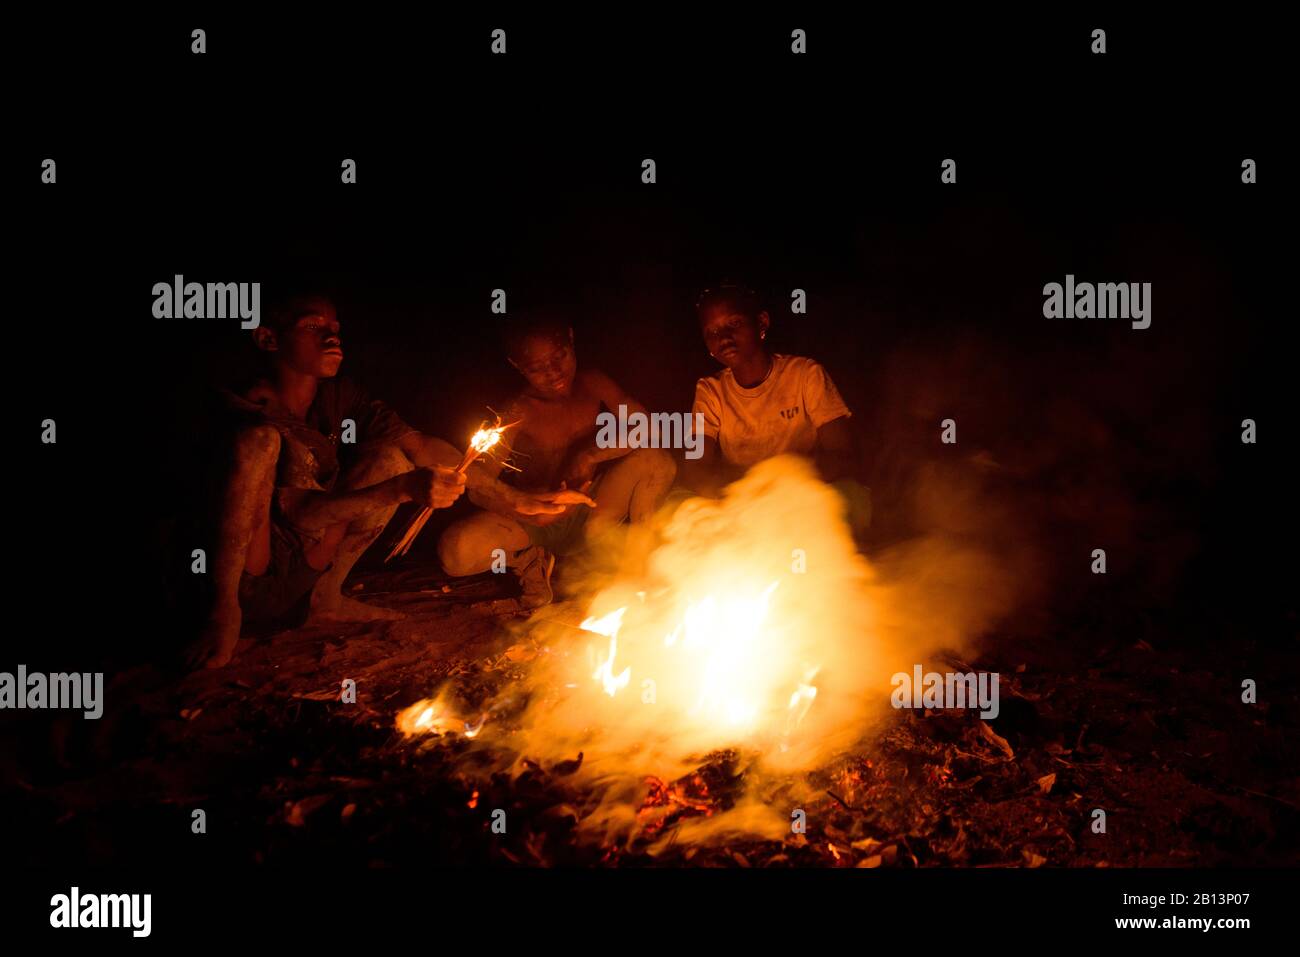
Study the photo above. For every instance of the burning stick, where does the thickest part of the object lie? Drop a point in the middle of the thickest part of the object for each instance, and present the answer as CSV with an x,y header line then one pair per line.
x,y
483,441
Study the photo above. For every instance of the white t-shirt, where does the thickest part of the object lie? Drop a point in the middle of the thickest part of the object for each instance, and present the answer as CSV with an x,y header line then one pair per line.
x,y
780,414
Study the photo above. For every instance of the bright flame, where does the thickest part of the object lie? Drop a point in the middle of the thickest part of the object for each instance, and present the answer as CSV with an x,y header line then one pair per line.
x,y
724,643
728,641
604,673
436,716
721,657
423,717
607,626
485,439
729,648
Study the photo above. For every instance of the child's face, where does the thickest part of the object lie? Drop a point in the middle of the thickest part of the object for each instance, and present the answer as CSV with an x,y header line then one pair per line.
x,y
311,345
733,338
548,365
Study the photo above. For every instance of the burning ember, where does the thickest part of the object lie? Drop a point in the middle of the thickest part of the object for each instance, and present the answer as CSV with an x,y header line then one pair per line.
x,y
436,716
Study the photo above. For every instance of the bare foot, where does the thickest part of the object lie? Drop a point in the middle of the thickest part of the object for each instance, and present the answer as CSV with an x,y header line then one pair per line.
x,y
215,645
340,608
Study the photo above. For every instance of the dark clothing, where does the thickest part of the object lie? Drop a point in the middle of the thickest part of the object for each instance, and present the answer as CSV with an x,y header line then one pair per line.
x,y
273,596
310,450
310,454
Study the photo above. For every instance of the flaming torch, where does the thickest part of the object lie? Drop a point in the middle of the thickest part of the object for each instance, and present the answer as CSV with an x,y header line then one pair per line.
x,y
482,442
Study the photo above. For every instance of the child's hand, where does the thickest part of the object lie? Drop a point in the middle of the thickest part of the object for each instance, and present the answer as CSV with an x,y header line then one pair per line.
x,y
529,504
436,487
581,471
568,496
552,503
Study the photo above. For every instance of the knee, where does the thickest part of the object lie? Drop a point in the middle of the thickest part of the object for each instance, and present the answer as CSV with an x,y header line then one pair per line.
x,y
377,464
455,551
655,466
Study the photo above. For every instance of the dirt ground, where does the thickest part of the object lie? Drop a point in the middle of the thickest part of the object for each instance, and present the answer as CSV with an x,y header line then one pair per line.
x,y
288,774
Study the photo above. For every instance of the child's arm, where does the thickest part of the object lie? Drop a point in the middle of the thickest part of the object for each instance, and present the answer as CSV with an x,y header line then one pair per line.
x,y
483,483
835,450
487,491
582,466
707,474
426,450
436,487
710,472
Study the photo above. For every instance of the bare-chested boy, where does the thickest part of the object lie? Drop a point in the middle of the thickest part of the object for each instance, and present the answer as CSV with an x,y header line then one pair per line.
x,y
555,448
299,505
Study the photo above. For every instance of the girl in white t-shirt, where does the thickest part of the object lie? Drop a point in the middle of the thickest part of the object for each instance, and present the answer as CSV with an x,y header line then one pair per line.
x,y
761,403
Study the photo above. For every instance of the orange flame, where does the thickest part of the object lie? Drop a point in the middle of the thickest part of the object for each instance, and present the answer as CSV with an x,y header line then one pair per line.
x,y
436,716
718,658
485,439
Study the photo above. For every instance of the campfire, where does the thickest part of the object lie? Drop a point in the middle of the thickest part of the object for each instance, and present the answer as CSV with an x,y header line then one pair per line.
x,y
755,650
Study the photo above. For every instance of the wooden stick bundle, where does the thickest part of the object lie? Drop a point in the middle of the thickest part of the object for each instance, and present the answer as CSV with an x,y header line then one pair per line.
x,y
483,441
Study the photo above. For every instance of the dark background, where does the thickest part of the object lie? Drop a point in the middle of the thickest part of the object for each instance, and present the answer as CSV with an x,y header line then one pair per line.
x,y
820,173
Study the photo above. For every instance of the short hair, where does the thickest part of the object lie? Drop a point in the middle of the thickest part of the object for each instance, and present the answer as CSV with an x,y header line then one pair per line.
x,y
735,295
534,325
287,308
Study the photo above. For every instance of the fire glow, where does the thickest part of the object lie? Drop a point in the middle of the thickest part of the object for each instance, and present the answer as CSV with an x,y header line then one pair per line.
x,y
730,640
757,636
720,658
436,715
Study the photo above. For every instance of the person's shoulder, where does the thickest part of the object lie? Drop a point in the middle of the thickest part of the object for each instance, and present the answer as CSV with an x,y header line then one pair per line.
x,y
804,369
517,409
594,381
250,395
710,386
802,365
714,380
246,405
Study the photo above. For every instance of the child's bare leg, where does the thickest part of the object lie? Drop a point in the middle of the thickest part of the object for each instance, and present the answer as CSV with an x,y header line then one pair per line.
x,y
632,489
243,540
466,547
327,600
